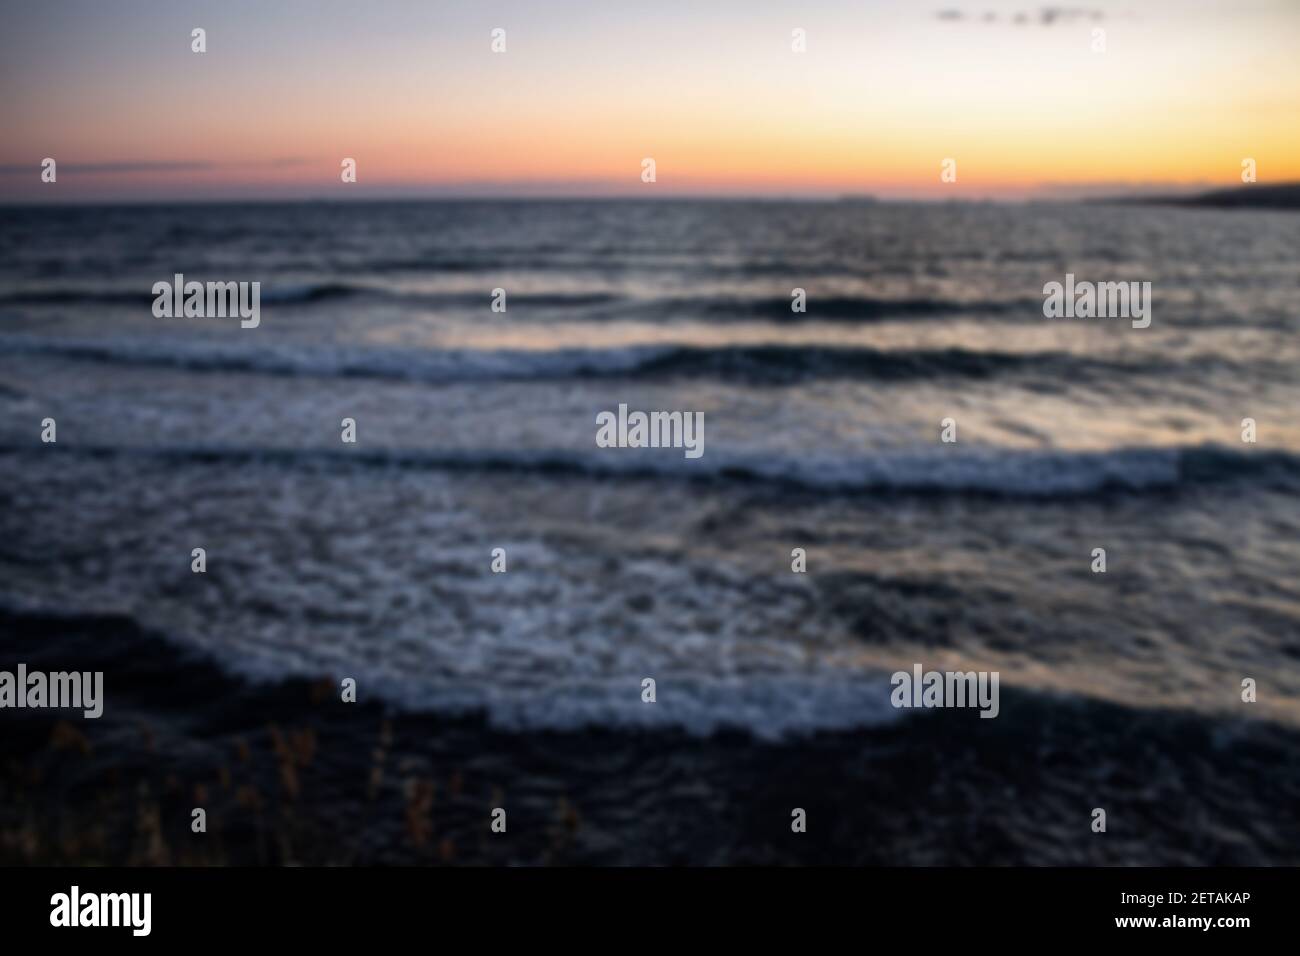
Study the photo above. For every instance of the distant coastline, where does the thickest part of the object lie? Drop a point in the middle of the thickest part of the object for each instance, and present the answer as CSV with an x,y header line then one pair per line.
x,y
1281,196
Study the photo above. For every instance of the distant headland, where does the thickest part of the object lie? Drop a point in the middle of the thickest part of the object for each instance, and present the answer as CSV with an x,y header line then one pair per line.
x,y
1253,196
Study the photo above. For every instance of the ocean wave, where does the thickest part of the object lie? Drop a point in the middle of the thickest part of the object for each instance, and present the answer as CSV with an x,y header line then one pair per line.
x,y
115,295
754,364
722,307
768,706
105,296
863,308
306,293
982,471
150,670
309,292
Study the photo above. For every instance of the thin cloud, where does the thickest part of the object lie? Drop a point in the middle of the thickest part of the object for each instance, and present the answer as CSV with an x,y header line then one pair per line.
x,y
1044,16
1049,15
131,167
91,169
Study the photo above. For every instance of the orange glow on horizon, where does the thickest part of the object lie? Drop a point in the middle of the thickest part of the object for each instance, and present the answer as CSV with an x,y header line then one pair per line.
x,y
881,97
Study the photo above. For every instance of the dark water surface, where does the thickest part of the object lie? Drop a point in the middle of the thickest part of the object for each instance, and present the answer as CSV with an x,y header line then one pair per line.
x,y
476,431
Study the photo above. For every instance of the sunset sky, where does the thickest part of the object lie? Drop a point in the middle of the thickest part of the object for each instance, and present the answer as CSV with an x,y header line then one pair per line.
x,y
711,90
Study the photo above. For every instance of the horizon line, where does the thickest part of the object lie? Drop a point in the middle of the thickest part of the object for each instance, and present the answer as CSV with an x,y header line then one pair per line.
x,y
844,198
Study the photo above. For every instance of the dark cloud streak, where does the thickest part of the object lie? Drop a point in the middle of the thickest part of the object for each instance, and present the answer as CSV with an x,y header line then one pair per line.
x,y
128,167
1044,16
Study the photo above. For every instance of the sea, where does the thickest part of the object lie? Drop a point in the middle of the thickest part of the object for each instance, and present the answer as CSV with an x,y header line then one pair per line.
x,y
824,447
